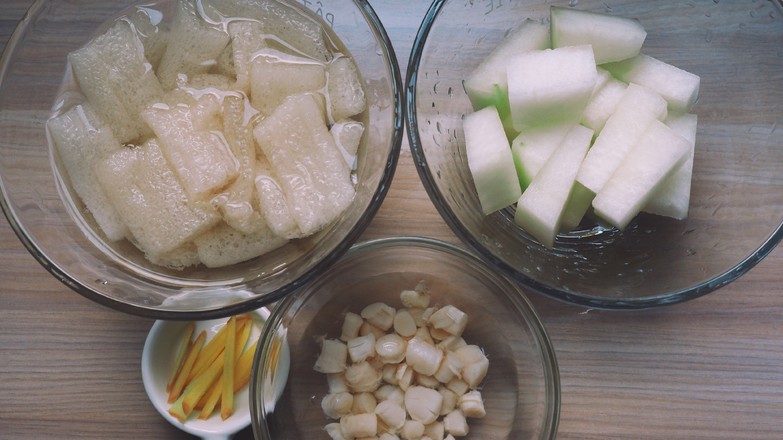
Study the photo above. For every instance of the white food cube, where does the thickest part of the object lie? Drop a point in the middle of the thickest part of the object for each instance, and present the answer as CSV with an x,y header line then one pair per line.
x,y
678,87
247,38
551,85
636,110
532,147
272,202
144,190
647,165
540,208
673,197
309,168
490,160
487,84
613,38
82,140
602,105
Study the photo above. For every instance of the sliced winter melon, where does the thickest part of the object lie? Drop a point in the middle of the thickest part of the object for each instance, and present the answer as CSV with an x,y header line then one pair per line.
x,y
488,83
579,202
310,169
551,85
533,147
223,245
151,201
673,197
637,109
83,139
195,43
653,159
613,38
275,75
200,157
116,78
346,94
678,87
490,160
602,104
540,208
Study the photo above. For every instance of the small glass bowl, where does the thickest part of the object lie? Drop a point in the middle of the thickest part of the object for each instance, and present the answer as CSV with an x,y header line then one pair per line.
x,y
736,208
521,391
31,72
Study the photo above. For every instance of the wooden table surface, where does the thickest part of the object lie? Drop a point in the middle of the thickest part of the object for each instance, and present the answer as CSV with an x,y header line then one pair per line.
x,y
710,368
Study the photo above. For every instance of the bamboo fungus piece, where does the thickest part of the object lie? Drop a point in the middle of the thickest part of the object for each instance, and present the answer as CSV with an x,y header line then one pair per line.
x,y
180,381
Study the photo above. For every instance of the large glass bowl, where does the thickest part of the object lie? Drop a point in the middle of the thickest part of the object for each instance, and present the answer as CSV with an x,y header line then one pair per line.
x,y
521,391
31,71
736,206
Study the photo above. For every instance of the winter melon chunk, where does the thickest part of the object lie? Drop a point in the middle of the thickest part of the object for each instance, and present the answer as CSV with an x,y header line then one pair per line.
x,y
533,147
613,38
309,167
540,208
678,87
488,83
551,85
654,158
635,111
490,160
83,139
673,197
149,198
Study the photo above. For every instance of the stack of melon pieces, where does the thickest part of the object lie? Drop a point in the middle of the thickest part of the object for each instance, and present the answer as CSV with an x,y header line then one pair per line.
x,y
211,142
576,120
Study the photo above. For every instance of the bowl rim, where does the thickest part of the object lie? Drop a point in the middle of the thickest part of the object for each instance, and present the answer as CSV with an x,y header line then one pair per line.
x,y
569,297
545,346
248,304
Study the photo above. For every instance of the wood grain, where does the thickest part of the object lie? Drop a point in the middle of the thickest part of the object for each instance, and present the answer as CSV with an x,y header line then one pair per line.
x,y
708,369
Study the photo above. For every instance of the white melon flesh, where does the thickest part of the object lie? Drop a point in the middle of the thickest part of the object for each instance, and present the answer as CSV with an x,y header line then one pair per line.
x,y
636,110
533,147
273,204
653,159
117,80
346,94
224,245
275,75
540,208
194,44
151,201
82,140
488,83
308,165
613,38
678,87
200,157
552,85
673,197
579,202
490,160
602,105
